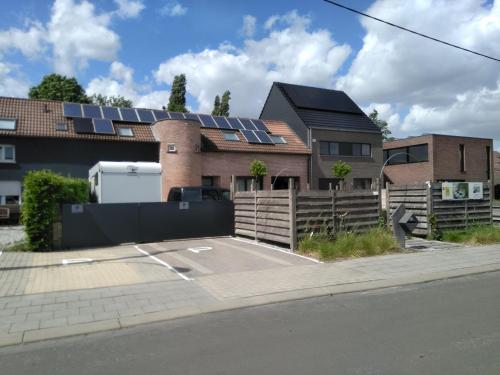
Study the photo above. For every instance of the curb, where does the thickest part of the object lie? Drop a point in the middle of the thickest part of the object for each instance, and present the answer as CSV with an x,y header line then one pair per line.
x,y
228,305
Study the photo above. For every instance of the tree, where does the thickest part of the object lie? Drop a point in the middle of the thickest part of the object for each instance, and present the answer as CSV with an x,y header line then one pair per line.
x,y
341,169
258,169
58,87
384,127
112,101
177,101
216,109
224,103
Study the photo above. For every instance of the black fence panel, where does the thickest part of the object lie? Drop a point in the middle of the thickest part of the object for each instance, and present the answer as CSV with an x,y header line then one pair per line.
x,y
94,224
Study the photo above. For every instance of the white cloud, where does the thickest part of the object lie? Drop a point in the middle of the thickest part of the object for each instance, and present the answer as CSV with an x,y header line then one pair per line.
x,y
248,28
30,42
120,81
10,82
173,9
292,53
129,8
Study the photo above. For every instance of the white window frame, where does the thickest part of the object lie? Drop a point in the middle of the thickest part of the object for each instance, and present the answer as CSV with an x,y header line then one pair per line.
x,y
9,119
124,128
2,153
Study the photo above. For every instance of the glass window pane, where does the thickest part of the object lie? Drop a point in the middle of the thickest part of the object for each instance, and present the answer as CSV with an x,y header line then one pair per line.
x,y
366,149
345,149
397,155
418,153
334,148
356,149
324,148
9,153
6,124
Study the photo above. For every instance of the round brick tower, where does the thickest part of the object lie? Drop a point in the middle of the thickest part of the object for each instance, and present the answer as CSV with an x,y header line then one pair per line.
x,y
180,157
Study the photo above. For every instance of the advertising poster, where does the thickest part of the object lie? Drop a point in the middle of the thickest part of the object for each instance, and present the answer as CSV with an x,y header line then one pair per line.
x,y
462,190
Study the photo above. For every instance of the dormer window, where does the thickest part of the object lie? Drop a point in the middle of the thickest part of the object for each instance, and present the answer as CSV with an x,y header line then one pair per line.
x,y
7,124
231,136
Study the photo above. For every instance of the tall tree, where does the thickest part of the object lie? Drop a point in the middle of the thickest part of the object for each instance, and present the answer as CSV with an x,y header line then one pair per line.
x,y
384,127
224,103
216,110
177,101
113,101
58,87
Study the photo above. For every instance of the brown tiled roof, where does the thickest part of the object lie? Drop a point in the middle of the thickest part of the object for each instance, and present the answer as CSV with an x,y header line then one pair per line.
x,y
293,146
37,118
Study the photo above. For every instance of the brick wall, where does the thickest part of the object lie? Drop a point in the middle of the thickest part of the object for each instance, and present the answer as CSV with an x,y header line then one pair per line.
x,y
225,164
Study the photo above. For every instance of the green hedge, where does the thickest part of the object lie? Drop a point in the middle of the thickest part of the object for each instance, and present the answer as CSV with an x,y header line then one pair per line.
x,y
44,192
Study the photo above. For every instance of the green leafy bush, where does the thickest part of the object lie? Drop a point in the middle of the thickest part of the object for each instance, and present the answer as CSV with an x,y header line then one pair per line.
x,y
475,235
44,192
375,241
341,169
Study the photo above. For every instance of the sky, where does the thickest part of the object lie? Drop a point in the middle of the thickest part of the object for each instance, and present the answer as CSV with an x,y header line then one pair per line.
x,y
134,48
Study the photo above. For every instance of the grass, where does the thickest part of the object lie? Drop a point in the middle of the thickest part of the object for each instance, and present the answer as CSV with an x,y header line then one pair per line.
x,y
17,246
477,235
376,241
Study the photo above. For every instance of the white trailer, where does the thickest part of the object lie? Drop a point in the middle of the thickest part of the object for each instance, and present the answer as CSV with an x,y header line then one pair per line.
x,y
125,182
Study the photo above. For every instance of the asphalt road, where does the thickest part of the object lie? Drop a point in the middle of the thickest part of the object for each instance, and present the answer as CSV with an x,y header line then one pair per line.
x,y
444,327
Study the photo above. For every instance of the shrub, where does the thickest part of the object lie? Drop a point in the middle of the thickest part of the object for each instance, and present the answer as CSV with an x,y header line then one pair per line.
x,y
347,244
44,192
341,169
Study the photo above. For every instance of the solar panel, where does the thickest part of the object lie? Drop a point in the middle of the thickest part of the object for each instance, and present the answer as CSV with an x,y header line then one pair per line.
x,y
263,137
221,122
250,136
103,126
247,124
235,124
129,114
72,110
191,116
259,124
83,125
160,115
176,115
111,113
145,115
207,121
92,111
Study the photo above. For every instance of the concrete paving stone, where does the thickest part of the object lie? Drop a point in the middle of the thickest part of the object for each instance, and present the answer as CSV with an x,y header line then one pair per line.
x,y
66,313
131,312
83,296
24,326
29,309
11,298
154,308
54,307
78,304
77,319
43,301
91,310
15,318
106,315
115,306
19,303
7,339
7,312
40,315
53,323
67,298
102,301
138,303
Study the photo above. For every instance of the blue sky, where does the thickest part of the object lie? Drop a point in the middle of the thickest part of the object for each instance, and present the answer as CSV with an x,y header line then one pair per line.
x,y
135,47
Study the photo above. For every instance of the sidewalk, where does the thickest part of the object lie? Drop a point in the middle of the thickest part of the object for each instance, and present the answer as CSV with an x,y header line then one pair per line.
x,y
40,316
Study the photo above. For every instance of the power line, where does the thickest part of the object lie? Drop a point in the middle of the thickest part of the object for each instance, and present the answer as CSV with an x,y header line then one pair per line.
x,y
410,31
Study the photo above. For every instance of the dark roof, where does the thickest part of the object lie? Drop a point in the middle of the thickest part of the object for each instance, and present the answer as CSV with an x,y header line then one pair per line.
x,y
324,108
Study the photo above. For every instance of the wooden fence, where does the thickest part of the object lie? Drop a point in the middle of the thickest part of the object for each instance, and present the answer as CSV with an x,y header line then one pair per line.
x,y
424,200
284,215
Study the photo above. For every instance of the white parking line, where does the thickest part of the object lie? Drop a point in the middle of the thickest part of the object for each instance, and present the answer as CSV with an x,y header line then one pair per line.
x,y
276,249
163,263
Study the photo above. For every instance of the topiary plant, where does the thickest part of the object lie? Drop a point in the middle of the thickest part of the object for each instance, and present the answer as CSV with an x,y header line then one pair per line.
x,y
341,169
258,169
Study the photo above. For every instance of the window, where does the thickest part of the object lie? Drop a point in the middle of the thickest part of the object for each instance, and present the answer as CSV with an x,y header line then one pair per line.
x,y
278,139
207,181
345,148
409,154
244,183
362,183
7,154
171,148
125,132
7,124
231,136
488,162
61,127
324,183
462,158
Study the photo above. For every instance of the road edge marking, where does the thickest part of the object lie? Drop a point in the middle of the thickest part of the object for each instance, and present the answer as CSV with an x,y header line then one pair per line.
x,y
163,263
276,249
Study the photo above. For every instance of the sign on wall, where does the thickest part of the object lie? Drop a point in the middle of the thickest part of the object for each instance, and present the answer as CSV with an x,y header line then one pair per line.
x,y
462,190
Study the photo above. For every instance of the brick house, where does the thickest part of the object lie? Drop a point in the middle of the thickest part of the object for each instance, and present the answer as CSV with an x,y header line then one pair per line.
x,y
437,158
38,134
333,127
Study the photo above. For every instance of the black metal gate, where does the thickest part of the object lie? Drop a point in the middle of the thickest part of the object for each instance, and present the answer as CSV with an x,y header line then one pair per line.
x,y
94,224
